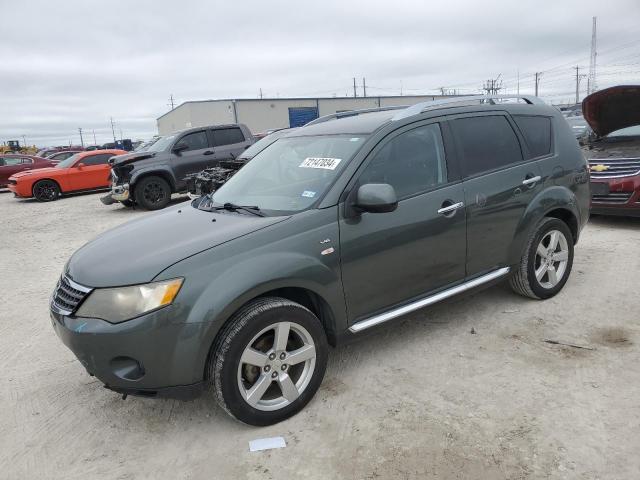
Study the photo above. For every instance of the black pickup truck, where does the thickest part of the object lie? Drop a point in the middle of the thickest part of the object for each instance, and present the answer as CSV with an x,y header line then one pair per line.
x,y
148,178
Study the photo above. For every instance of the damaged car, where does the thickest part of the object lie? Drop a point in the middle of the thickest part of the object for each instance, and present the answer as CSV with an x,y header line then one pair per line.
x,y
613,150
148,178
211,179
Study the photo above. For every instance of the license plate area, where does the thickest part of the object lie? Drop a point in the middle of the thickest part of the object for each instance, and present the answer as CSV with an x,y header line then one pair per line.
x,y
599,188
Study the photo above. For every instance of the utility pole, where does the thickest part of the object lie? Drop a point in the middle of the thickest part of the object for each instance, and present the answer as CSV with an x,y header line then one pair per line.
x,y
518,75
113,131
24,140
400,87
81,140
591,81
364,87
578,77
261,94
94,138
492,86
171,101
120,135
355,93
538,74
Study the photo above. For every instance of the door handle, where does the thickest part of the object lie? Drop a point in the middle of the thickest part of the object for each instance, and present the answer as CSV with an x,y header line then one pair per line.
x,y
452,207
208,152
531,180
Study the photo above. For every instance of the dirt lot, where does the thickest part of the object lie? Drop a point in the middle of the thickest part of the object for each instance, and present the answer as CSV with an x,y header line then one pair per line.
x,y
424,399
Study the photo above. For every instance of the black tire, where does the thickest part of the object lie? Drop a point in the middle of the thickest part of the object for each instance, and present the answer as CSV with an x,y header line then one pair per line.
x,y
46,191
153,193
223,365
524,280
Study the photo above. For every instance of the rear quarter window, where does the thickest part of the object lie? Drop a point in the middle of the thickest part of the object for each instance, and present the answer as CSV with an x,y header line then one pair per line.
x,y
537,133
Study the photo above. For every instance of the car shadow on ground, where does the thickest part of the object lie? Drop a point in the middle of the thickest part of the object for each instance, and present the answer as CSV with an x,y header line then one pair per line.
x,y
627,223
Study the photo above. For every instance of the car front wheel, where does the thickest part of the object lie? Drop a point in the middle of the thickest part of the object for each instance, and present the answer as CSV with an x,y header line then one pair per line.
x,y
153,193
46,191
268,361
546,262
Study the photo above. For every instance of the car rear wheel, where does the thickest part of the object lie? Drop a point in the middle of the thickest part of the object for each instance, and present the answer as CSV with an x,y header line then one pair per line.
x,y
152,193
269,361
46,191
547,260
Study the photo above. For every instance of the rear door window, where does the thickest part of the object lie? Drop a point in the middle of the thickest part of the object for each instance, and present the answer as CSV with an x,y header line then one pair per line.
x,y
12,161
487,143
537,133
227,136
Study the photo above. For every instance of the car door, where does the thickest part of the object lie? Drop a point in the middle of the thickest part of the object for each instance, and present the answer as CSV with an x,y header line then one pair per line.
x,y
390,258
95,173
229,143
194,158
9,166
498,184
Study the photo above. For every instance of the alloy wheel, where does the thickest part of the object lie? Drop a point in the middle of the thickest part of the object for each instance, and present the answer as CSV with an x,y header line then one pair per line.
x,y
552,256
276,366
153,192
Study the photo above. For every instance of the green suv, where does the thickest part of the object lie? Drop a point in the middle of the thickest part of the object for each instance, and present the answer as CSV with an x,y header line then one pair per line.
x,y
338,227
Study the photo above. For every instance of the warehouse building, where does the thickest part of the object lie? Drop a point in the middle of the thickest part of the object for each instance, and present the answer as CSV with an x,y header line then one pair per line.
x,y
264,114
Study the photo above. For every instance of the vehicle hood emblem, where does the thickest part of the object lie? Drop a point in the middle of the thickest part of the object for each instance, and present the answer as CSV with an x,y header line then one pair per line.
x,y
599,168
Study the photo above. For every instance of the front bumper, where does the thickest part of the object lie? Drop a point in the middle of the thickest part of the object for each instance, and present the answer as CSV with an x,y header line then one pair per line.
x,y
150,355
120,193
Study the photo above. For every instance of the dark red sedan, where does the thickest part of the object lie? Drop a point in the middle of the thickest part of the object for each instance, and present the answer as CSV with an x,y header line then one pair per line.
x,y
14,163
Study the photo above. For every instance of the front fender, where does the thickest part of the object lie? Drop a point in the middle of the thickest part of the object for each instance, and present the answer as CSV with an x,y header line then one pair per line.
x,y
549,199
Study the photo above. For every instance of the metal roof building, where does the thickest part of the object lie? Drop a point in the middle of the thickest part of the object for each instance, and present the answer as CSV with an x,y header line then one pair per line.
x,y
264,114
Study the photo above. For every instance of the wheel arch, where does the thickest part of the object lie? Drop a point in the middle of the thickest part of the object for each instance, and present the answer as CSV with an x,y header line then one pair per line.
x,y
163,173
35,182
557,202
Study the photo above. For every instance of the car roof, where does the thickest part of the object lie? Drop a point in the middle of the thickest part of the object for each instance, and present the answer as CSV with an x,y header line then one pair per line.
x,y
90,153
369,120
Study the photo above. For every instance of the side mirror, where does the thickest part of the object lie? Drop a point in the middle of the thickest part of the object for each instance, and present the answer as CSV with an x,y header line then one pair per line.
x,y
376,198
81,165
179,147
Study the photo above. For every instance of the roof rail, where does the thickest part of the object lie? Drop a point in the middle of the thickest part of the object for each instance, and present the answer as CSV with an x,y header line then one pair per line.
x,y
353,113
462,102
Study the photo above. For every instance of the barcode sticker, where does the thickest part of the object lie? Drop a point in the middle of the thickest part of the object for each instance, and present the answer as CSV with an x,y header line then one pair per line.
x,y
319,162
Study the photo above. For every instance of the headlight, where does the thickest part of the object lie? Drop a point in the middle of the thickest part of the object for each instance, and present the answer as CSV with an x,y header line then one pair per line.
x,y
124,303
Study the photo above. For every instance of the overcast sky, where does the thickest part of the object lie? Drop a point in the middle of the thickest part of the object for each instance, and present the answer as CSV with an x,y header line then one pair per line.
x,y
75,63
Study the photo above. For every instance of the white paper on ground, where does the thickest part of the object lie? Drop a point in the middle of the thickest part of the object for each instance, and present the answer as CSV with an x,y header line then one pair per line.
x,y
266,444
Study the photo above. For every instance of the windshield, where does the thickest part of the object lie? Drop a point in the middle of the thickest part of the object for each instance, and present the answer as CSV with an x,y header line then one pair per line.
x,y
291,174
161,144
68,162
626,132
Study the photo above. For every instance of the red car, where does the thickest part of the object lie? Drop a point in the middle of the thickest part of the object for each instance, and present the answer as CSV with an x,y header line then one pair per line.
x,y
83,171
613,151
14,163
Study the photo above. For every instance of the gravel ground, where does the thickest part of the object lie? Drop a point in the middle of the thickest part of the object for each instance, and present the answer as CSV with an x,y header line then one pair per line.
x,y
423,399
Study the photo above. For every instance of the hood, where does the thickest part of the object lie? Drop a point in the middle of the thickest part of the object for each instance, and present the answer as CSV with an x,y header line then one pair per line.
x,y
613,108
137,251
130,157
48,171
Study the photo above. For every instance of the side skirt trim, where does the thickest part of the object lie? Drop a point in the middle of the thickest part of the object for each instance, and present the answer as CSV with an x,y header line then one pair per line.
x,y
423,302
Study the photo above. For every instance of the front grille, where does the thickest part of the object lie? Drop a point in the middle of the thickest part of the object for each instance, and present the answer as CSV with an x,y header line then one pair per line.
x,y
612,197
614,167
68,295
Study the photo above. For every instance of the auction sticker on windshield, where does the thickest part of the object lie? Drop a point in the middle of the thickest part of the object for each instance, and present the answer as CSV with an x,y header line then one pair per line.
x,y
319,162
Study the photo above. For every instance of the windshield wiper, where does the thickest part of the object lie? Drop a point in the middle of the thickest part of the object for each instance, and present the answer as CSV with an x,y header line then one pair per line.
x,y
232,207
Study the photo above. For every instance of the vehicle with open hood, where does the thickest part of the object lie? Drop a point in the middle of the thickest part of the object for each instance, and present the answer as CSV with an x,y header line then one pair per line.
x,y
613,149
335,229
148,178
